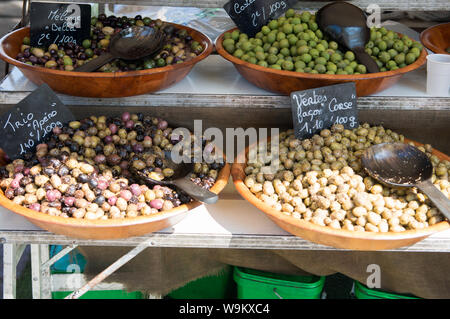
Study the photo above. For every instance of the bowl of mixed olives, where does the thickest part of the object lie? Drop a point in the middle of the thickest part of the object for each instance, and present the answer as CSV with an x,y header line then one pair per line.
x,y
57,64
321,193
291,53
79,183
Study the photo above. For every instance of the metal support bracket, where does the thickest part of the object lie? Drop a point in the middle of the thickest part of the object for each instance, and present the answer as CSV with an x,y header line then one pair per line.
x,y
109,270
11,257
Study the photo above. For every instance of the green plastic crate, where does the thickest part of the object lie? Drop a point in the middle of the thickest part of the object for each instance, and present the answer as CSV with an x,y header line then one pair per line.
x,y
254,284
220,286
101,294
363,292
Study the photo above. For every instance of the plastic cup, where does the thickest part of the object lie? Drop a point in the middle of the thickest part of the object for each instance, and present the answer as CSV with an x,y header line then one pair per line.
x,y
438,74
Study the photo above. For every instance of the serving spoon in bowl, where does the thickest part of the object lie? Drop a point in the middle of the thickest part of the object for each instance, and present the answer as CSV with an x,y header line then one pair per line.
x,y
180,179
129,44
403,165
347,25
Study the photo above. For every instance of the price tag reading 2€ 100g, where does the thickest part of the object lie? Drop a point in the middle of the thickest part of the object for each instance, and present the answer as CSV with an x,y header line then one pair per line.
x,y
251,15
320,108
59,23
31,121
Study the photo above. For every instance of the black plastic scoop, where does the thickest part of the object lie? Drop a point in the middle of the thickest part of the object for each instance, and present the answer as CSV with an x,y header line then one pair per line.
x,y
180,179
129,44
346,24
403,165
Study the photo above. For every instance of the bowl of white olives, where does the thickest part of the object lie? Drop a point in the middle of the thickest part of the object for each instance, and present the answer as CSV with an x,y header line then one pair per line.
x,y
321,193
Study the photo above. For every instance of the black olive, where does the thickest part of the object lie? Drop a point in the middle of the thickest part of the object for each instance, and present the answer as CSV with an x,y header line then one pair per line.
x,y
100,200
9,193
63,171
82,178
19,191
93,183
159,162
55,162
139,138
70,190
74,147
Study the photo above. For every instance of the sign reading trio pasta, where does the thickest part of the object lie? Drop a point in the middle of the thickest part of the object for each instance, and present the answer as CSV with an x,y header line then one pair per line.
x,y
31,121
316,109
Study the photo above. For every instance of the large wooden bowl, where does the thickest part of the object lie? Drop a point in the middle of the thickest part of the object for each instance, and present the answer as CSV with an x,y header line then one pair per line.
x,y
111,228
338,238
285,82
437,38
99,84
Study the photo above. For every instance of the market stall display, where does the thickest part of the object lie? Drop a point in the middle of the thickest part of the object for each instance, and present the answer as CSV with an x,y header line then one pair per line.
x,y
321,193
79,183
404,108
437,38
56,65
292,54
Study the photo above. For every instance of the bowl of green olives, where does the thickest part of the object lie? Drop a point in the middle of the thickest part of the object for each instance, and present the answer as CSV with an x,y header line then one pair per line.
x,y
291,53
56,65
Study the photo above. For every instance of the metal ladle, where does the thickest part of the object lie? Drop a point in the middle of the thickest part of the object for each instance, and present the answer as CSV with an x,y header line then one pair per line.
x,y
347,25
403,165
180,179
129,44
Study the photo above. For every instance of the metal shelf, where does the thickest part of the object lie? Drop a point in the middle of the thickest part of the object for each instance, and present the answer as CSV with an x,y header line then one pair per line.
x,y
435,244
388,5
214,82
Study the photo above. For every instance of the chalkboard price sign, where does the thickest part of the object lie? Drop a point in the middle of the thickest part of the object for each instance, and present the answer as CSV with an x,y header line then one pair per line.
x,y
59,23
316,109
251,15
31,121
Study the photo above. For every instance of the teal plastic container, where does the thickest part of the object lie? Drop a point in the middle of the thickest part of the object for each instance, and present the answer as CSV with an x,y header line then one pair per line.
x,y
255,284
363,292
63,265
220,286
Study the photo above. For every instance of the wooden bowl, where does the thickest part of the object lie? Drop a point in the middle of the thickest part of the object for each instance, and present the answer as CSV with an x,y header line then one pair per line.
x,y
99,84
285,82
338,238
437,38
111,228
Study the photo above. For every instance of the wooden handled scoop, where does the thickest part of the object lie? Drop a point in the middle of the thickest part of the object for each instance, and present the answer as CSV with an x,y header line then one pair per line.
x,y
403,165
129,44
180,179
347,25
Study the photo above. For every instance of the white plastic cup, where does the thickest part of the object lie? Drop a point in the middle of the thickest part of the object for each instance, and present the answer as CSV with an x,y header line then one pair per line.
x,y
438,74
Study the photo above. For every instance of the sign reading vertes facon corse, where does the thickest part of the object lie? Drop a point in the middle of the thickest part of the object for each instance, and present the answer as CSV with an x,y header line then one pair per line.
x,y
251,15
316,109
59,23
31,121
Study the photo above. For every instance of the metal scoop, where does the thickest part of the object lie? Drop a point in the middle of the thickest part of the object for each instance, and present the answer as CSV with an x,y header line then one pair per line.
x,y
129,44
346,24
180,179
403,165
